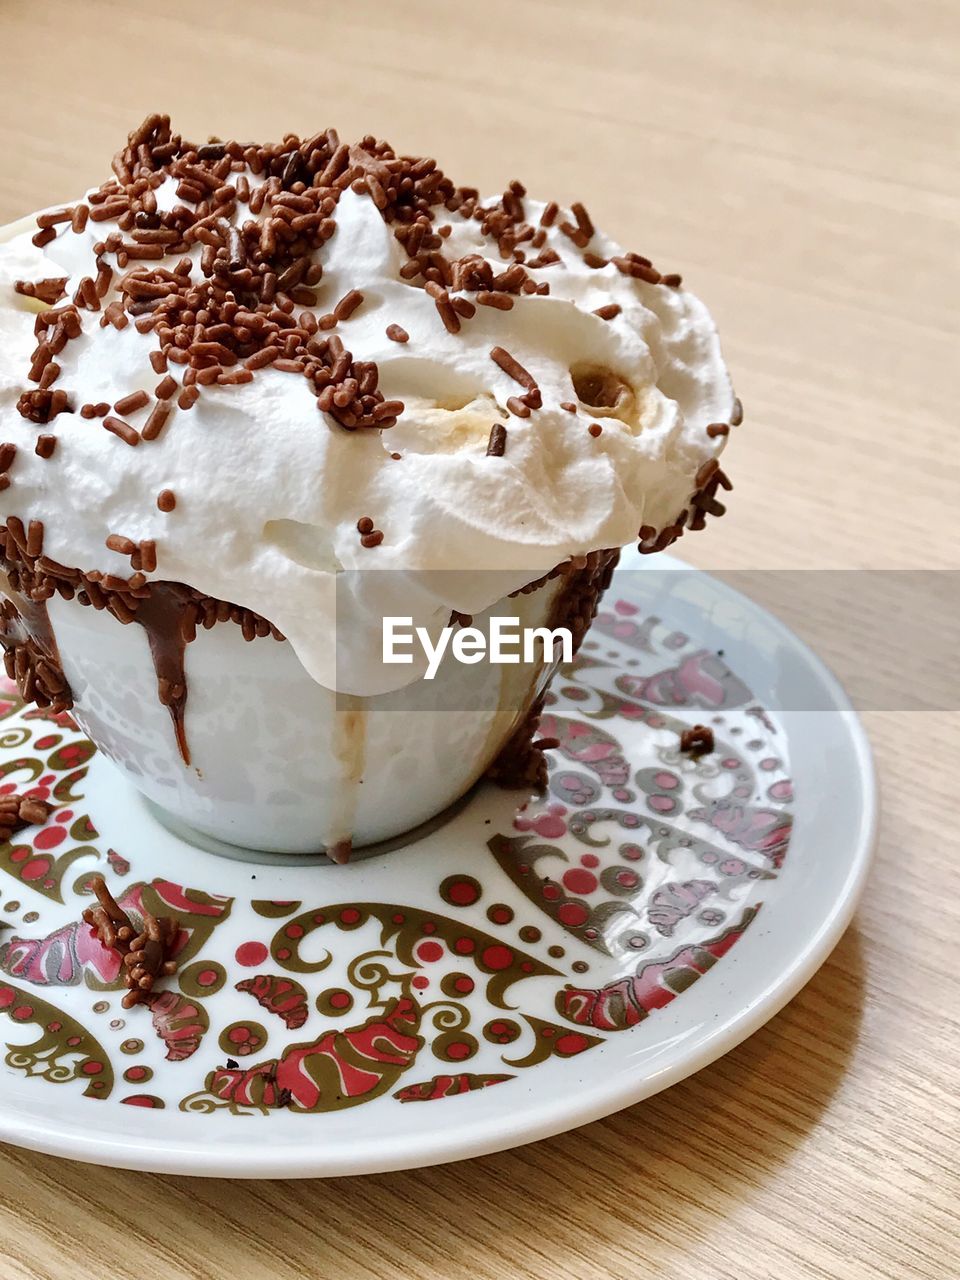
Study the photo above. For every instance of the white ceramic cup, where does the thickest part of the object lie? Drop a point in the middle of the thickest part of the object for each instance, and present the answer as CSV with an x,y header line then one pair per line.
x,y
278,762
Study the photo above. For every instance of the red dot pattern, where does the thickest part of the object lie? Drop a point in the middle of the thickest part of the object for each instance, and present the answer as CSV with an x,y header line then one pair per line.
x,y
250,954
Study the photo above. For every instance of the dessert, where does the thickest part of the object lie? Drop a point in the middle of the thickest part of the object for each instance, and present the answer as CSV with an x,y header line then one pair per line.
x,y
273,394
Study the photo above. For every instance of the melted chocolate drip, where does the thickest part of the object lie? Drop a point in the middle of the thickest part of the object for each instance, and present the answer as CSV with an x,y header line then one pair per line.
x,y
28,634
169,612
161,614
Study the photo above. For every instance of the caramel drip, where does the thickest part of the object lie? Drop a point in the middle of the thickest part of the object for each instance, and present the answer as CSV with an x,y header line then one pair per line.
x,y
161,614
349,748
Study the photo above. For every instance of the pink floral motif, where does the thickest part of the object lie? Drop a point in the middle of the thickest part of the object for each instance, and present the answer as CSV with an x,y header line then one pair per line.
x,y
590,746
701,680
548,823
759,830
73,952
179,1022
341,1068
448,1086
630,1000
621,626
61,958
674,902
120,866
62,719
280,995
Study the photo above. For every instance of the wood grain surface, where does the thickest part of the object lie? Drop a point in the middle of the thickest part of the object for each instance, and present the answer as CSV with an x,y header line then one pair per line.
x,y
798,164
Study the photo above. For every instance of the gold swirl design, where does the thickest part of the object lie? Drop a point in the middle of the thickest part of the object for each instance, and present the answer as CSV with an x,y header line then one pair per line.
x,y
367,971
200,1103
56,1073
65,1051
447,1015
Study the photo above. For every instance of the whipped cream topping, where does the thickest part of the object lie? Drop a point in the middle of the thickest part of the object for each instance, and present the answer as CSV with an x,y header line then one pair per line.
x,y
269,488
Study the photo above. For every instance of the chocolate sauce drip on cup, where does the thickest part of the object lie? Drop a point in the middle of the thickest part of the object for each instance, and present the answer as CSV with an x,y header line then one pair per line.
x,y
168,616
169,613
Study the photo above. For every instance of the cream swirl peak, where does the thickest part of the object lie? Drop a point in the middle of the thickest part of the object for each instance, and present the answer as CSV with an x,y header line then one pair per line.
x,y
253,369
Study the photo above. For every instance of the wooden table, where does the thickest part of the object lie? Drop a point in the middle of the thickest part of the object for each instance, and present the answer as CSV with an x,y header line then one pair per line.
x,y
798,163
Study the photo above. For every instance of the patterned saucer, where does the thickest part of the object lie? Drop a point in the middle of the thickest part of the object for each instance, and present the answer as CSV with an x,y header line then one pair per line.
x,y
519,970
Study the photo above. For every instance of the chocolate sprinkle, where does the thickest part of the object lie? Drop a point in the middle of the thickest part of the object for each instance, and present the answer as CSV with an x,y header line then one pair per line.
x,y
43,405
498,441
445,308
697,741
17,812
147,955
131,403
512,368
111,923
348,304
397,334
639,268
582,233
709,479
50,290
156,421
117,542
129,435
148,555
501,301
